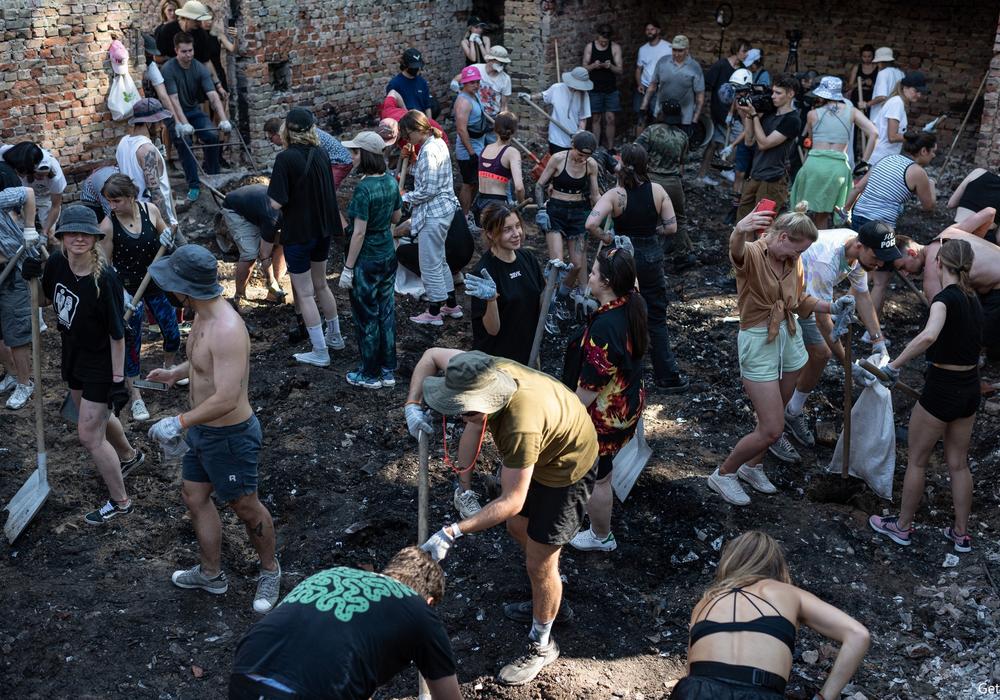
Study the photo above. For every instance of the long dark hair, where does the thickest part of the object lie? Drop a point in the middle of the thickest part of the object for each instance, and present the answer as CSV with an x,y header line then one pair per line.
x,y
617,268
633,171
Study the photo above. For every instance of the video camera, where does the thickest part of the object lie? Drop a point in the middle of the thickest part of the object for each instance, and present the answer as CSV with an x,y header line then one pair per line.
x,y
757,96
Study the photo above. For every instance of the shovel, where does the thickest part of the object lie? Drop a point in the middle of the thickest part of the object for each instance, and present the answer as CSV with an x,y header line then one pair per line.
x,y
423,500
905,388
11,264
29,498
550,289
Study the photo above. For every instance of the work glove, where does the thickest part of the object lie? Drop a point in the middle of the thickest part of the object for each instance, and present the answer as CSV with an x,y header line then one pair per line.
x,y
440,542
31,238
226,125
417,420
860,168
481,287
558,264
347,278
524,96
880,348
542,220
476,38
931,126
167,239
185,129
166,430
117,397
891,376
455,87
624,243
842,304
841,217
31,268
729,119
726,152
862,376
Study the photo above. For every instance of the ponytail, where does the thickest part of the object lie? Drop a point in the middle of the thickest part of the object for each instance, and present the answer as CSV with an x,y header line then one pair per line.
x,y
634,167
617,267
415,120
957,257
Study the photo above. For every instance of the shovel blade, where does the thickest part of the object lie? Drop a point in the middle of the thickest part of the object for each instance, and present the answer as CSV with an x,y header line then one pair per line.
x,y
25,504
69,411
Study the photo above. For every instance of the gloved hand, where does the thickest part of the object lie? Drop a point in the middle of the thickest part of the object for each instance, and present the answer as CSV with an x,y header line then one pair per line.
x,y
31,268
880,348
226,126
185,129
166,430
455,87
118,397
624,243
440,542
524,96
167,239
31,238
862,376
726,152
558,264
842,304
476,38
481,287
542,220
891,376
417,420
347,278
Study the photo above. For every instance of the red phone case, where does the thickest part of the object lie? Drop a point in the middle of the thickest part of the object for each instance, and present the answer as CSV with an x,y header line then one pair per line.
x,y
766,205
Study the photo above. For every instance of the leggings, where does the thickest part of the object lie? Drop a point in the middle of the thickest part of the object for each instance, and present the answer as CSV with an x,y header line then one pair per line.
x,y
166,317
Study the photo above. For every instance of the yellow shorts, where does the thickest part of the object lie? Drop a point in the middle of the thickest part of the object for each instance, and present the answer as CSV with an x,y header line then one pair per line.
x,y
761,361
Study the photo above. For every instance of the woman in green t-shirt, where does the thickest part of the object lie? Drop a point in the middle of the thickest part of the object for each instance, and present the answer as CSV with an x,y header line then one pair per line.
x,y
370,266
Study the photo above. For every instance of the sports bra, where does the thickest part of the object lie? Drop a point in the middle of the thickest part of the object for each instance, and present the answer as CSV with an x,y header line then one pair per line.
x,y
777,626
567,184
493,168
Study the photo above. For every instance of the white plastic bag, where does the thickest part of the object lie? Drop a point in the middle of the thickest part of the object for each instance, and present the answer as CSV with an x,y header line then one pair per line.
x,y
122,96
873,439
629,462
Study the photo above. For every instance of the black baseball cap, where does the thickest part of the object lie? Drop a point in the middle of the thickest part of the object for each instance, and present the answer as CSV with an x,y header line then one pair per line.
x,y
299,119
671,112
413,59
916,80
878,236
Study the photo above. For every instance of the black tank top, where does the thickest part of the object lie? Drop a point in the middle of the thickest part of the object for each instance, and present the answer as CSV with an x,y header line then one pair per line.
x,y
133,254
640,216
602,78
867,82
567,184
982,192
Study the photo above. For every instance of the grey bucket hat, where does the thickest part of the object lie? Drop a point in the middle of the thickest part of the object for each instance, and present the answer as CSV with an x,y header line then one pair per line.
x,y
191,270
471,382
77,218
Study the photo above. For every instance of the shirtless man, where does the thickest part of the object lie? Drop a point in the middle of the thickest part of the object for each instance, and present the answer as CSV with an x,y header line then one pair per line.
x,y
222,430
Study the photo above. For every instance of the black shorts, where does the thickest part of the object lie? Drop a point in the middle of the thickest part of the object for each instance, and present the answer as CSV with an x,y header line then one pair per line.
x,y
605,463
553,149
705,688
469,170
555,513
991,322
92,391
950,395
484,199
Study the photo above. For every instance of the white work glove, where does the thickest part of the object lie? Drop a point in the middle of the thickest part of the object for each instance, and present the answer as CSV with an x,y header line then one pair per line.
x,y
481,287
440,542
862,376
31,238
880,348
524,96
166,430
417,420
167,239
726,152
624,243
558,264
226,126
347,278
842,304
476,38
185,129
455,87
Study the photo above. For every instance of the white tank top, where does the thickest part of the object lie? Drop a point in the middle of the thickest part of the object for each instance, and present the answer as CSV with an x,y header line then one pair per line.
x,y
129,165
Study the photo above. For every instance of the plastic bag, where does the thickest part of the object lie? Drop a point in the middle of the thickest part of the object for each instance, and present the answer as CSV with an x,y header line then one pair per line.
x,y
123,94
873,438
629,462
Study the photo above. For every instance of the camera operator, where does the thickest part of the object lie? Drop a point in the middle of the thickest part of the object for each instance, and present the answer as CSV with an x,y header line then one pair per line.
x,y
773,134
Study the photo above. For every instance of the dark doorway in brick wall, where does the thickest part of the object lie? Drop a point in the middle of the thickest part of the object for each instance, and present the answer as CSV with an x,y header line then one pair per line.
x,y
493,12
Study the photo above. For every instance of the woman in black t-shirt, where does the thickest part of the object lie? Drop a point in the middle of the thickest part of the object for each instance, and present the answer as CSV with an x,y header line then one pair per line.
x,y
89,302
947,407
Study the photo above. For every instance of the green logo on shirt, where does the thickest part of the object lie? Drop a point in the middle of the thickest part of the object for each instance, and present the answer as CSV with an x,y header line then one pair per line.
x,y
346,591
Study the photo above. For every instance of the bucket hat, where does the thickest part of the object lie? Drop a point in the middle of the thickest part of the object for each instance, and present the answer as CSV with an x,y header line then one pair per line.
x,y
470,74
471,382
829,88
77,218
499,54
578,79
191,270
148,109
366,141
195,10
883,54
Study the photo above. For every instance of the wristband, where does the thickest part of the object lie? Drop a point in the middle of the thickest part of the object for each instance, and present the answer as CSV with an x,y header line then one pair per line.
x,y
348,267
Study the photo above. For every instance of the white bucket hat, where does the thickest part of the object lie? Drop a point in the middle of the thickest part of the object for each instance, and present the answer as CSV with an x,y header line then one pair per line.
x,y
829,88
578,79
883,54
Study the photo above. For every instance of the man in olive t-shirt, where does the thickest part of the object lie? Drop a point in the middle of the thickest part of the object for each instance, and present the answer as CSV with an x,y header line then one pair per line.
x,y
548,445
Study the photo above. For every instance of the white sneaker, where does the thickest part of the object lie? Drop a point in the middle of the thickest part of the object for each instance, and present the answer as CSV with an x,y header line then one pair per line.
x,y
335,341
466,503
728,486
708,180
22,392
319,358
587,541
8,382
728,175
182,382
756,477
139,410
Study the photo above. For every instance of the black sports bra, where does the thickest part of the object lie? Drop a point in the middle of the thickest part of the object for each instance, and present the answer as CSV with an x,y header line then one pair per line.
x,y
567,184
777,626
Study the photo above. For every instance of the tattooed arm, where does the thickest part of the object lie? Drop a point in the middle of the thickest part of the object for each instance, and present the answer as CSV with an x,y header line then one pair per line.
x,y
152,169
668,220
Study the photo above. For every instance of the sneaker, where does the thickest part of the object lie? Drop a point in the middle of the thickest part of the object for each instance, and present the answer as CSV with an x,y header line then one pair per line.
x,y
139,410
428,319
335,341
452,311
524,668
194,578
268,586
106,512
8,382
707,180
521,612
963,543
22,392
358,379
728,486
466,503
728,175
193,194
318,358
587,541
756,477
783,450
130,465
388,377
182,382
798,426
890,528
675,384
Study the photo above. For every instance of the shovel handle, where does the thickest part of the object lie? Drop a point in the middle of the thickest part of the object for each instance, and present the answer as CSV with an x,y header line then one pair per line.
x,y
905,388
11,264
36,359
550,289
142,286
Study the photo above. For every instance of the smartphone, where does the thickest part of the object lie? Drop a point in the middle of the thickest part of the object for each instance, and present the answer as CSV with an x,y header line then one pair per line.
x,y
231,22
146,384
766,205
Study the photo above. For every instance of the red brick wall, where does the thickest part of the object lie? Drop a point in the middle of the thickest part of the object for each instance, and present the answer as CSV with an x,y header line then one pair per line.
x,y
988,152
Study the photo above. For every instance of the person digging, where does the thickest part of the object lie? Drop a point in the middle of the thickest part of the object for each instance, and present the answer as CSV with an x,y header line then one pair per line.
x,y
548,446
223,434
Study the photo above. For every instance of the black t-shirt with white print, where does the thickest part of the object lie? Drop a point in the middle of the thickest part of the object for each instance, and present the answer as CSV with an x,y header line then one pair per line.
x,y
88,321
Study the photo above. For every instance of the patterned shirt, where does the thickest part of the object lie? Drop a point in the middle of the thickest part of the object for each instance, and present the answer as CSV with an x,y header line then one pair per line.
x,y
90,191
335,150
11,235
433,183
664,146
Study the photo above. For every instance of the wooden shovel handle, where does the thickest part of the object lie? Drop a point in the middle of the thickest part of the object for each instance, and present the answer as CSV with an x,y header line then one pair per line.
x,y
905,388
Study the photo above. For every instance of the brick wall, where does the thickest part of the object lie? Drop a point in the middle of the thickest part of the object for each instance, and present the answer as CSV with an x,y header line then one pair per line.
x,y
988,152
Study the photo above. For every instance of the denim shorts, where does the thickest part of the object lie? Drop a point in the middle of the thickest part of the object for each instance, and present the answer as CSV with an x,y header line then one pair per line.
x,y
601,102
226,457
15,311
743,158
568,218
761,361
810,331
300,256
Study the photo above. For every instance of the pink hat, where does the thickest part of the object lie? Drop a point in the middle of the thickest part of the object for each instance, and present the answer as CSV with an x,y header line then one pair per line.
x,y
470,74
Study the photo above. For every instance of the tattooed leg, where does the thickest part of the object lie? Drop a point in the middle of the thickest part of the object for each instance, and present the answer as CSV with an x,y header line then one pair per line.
x,y
259,527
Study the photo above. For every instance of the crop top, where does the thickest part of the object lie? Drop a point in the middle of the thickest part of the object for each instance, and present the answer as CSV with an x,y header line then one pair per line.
x,y
493,168
960,339
567,184
777,626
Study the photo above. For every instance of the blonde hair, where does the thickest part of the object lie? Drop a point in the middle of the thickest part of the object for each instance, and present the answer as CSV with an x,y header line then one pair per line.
x,y
751,557
957,256
305,138
796,224
98,262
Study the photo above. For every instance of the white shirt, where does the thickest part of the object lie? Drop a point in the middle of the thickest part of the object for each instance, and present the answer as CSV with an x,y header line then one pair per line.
x,y
153,74
825,264
128,163
568,108
885,83
894,108
491,88
649,56
43,185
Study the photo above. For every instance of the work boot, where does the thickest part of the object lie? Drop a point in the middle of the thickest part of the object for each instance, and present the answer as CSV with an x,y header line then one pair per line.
x,y
194,578
798,426
783,450
526,667
521,612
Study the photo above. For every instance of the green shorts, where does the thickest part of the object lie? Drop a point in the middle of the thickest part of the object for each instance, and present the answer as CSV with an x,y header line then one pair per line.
x,y
761,361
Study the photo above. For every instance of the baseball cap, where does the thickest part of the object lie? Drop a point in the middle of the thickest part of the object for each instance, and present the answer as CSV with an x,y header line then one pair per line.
x,y
148,109
753,55
917,81
680,42
878,236
413,59
366,141
299,119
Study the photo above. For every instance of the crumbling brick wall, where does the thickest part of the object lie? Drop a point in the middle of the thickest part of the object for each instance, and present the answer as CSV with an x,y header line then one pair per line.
x,y
988,151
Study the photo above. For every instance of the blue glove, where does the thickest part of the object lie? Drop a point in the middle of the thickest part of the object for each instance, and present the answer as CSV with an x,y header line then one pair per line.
x,y
481,287
624,243
542,220
891,376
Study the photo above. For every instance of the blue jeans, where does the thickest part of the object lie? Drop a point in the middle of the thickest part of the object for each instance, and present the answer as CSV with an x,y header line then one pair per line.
x,y
166,317
199,120
653,287
373,304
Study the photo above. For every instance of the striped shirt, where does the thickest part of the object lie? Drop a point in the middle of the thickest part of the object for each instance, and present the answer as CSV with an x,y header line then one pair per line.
x,y
11,234
433,183
886,190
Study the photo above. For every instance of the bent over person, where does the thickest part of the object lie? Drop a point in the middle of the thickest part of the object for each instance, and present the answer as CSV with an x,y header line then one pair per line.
x,y
548,446
223,435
